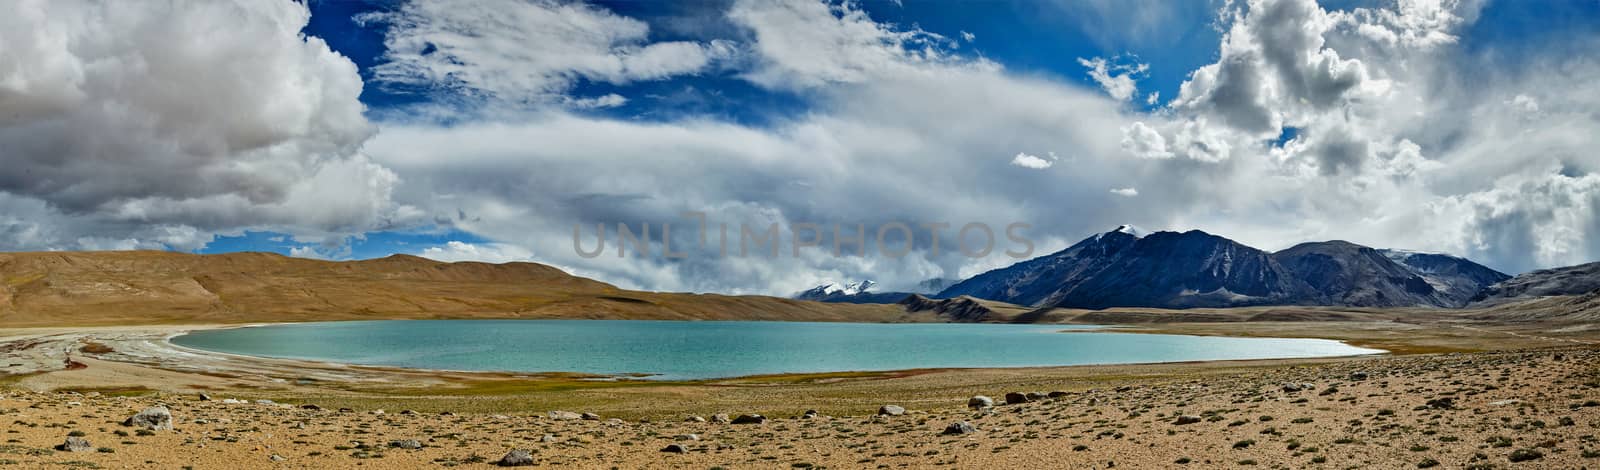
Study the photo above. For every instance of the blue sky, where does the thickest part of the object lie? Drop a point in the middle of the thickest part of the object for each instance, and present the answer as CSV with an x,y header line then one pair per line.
x,y
488,129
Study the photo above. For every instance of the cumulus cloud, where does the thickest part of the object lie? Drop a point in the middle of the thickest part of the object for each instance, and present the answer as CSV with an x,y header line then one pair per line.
x,y
803,44
1118,79
1125,192
120,119
1030,161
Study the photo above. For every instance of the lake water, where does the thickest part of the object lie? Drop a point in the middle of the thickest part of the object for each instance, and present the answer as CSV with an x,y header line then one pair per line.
x,y
673,350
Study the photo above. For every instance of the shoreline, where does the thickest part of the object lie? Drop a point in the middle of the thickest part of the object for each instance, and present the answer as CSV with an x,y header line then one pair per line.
x,y
152,346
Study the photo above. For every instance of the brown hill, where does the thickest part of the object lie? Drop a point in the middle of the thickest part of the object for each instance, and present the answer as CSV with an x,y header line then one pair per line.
x,y
141,287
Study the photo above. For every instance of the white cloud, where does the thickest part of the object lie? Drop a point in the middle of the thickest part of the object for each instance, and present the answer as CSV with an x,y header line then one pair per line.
x,y
522,52
1125,192
1118,79
496,253
969,37
1030,161
138,120
609,100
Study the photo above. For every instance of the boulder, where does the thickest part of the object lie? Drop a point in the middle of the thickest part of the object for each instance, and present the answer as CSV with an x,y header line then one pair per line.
x,y
153,418
980,401
958,428
75,444
1057,394
564,415
891,410
750,419
674,448
412,444
516,458
1015,398
1036,396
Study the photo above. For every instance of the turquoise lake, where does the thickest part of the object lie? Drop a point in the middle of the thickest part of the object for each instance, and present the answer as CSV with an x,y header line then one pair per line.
x,y
678,350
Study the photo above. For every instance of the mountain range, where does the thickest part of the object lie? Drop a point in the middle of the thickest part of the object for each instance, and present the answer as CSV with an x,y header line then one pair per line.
x,y
1128,267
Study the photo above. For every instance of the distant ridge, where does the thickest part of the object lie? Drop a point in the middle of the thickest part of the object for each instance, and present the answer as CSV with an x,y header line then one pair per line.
x,y
143,287
1125,267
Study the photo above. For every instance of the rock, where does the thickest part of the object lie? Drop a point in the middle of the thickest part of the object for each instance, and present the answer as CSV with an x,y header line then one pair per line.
x,y
1187,419
686,437
980,401
1512,401
615,422
958,428
891,410
548,439
412,444
204,397
407,412
233,401
1036,396
1446,403
750,419
1292,387
346,410
311,407
564,415
266,402
1056,394
1358,376
674,448
75,444
1014,398
694,419
809,414
516,458
153,418
720,419
276,458
589,417
1524,455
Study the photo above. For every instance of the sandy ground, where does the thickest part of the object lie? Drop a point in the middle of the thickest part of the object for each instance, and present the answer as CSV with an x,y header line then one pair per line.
x,y
1457,410
64,381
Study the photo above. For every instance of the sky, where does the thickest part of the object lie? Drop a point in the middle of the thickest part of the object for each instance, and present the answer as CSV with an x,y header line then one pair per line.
x,y
489,130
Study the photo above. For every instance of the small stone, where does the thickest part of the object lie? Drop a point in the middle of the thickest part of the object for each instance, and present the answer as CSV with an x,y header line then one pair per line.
x,y
75,444
411,444
564,415
1057,394
980,401
153,418
311,407
1036,396
516,458
695,419
720,419
750,419
674,448
958,428
1446,403
686,437
548,439
891,410
1512,401
276,458
1187,419
266,402
1358,376
204,397
407,412
589,417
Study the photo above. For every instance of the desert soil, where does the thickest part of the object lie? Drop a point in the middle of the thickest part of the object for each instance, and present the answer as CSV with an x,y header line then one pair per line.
x,y
1528,408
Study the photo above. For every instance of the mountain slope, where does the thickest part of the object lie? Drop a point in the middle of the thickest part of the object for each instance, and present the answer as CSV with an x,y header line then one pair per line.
x,y
1354,275
1127,268
141,287
1044,280
1571,280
